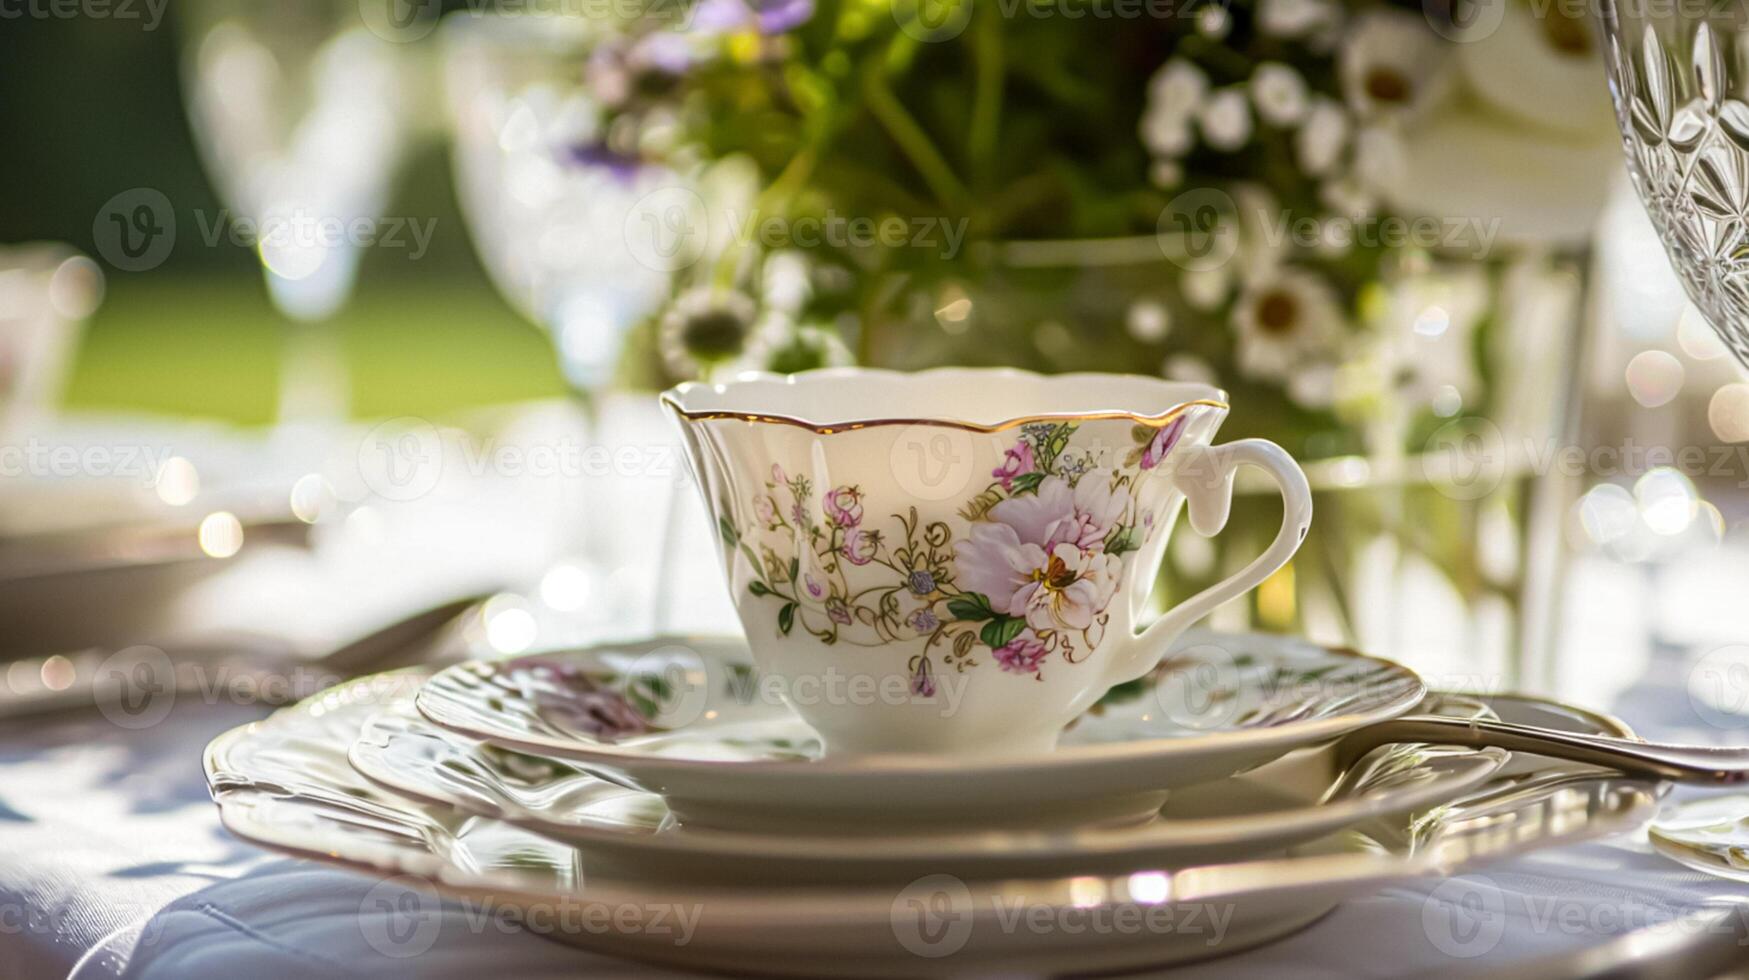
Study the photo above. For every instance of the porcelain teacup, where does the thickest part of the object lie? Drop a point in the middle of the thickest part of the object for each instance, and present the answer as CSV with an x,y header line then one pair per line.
x,y
956,560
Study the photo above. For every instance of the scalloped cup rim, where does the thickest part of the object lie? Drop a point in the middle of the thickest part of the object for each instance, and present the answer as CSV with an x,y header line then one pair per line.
x,y
1183,395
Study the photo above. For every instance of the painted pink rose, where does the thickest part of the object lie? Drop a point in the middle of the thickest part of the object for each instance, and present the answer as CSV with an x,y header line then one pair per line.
x,y
1164,439
859,546
778,476
1096,511
844,506
1042,558
1022,655
1016,462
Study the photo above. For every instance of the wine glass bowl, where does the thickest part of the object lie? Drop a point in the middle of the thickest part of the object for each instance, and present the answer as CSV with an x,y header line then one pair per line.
x,y
1679,78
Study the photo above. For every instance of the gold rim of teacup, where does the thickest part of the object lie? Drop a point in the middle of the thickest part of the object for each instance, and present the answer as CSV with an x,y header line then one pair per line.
x,y
1152,421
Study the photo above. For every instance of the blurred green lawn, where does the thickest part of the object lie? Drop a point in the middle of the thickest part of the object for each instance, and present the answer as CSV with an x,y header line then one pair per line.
x,y
210,346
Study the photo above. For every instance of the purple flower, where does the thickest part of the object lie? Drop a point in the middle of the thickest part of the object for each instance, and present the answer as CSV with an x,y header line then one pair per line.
x,y
777,16
923,679
799,512
1018,461
921,582
1022,655
598,156
765,509
767,16
1163,441
815,589
844,506
1042,558
838,610
923,621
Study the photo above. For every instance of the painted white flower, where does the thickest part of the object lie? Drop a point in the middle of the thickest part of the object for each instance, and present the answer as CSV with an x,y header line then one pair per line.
x,y
1294,18
1225,119
1393,67
1285,321
1175,93
1322,138
1280,94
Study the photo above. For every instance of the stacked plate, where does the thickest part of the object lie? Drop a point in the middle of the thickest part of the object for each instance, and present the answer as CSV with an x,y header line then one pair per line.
x,y
1208,807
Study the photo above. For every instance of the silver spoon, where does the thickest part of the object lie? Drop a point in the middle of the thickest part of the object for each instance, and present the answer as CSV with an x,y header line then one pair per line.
x,y
1715,765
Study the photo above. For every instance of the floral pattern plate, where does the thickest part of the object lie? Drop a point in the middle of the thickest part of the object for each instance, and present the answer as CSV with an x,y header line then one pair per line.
x,y
691,720
1304,795
284,783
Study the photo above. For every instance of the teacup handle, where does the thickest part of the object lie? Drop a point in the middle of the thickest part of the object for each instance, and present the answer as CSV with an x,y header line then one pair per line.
x,y
1205,477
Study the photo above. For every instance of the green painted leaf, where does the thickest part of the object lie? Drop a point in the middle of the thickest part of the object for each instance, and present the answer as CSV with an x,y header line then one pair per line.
x,y
971,607
1123,539
758,588
795,566
1002,630
786,617
727,530
1028,482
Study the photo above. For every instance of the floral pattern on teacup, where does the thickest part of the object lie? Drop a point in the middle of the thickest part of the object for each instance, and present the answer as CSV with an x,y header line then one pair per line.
x,y
1028,576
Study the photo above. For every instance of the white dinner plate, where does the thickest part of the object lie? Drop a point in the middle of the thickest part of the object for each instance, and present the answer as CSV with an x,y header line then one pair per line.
x,y
284,783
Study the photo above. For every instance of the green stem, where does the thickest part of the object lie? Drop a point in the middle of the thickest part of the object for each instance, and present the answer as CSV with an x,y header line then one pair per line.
x,y
912,140
987,95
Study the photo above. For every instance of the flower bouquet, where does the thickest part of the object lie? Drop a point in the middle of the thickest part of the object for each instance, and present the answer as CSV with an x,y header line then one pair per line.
x,y
1367,219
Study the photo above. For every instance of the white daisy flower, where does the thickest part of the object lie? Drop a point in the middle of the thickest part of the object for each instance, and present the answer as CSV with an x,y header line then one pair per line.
x,y
1189,367
1285,321
1166,174
1205,289
784,283
1347,197
1294,18
707,331
1313,386
1379,161
1225,119
1392,66
1320,141
1148,321
1175,93
1214,22
1280,93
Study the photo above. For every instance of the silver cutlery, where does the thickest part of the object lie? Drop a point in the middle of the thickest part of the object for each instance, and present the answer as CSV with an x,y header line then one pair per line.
x,y
1708,764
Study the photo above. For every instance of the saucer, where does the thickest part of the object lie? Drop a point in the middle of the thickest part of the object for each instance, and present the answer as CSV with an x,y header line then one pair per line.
x,y
691,720
284,783
1302,796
